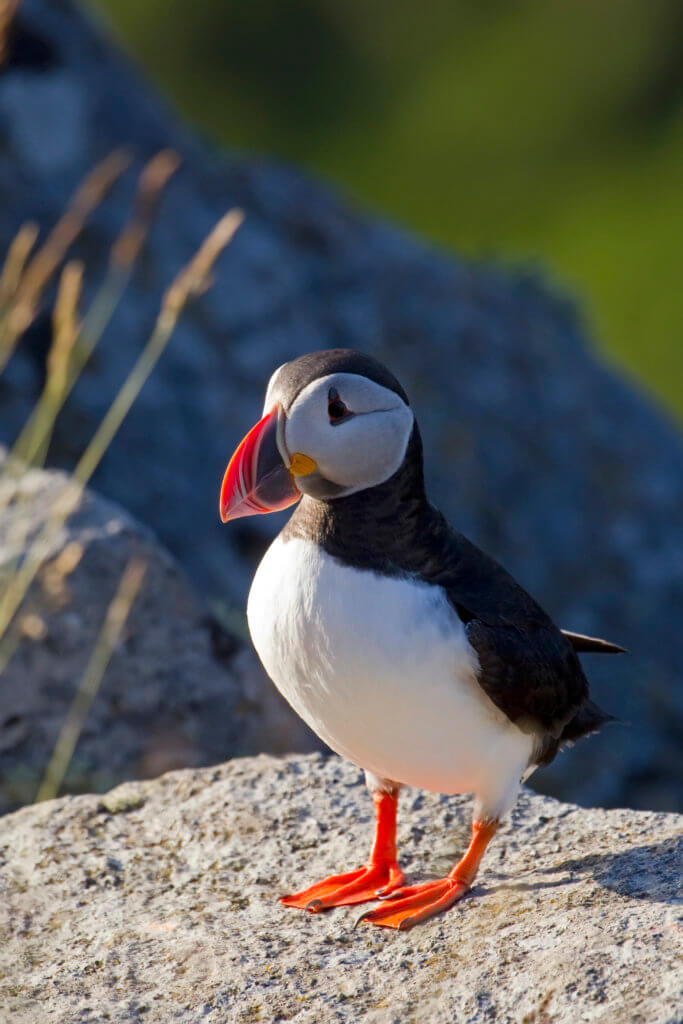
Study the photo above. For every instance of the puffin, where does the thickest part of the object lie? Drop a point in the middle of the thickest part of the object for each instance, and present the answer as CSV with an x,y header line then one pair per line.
x,y
405,648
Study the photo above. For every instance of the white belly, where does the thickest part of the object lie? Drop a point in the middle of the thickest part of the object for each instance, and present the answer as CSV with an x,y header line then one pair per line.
x,y
381,669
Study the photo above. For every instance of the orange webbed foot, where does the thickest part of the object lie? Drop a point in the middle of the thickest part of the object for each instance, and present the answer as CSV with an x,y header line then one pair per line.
x,y
380,876
367,883
413,904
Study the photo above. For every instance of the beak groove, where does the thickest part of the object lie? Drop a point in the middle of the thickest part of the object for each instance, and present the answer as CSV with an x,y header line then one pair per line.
x,y
257,481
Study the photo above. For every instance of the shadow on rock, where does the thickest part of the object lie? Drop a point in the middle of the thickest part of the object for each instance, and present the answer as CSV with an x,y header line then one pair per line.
x,y
641,873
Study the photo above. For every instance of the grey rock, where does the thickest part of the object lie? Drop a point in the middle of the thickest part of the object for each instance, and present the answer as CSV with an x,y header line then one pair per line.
x,y
535,449
180,690
159,903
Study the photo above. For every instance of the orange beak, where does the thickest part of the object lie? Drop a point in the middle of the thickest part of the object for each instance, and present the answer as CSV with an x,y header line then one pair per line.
x,y
257,480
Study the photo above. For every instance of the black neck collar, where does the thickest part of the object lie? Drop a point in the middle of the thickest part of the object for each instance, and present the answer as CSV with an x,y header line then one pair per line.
x,y
377,528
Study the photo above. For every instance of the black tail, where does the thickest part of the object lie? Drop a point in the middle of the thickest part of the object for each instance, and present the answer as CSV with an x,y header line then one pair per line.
x,y
592,644
588,719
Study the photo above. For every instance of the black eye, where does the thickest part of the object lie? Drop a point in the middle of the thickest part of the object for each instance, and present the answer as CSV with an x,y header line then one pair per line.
x,y
336,409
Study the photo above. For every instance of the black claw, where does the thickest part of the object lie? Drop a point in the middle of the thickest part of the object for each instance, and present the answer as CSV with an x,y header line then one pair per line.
x,y
393,895
361,918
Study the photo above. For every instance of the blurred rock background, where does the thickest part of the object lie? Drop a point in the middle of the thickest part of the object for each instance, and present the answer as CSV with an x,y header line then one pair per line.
x,y
179,691
519,131
535,449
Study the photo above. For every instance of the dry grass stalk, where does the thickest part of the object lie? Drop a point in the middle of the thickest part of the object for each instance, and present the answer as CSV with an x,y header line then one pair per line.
x,y
195,278
189,283
65,331
68,559
124,253
153,180
8,8
14,264
65,327
44,263
54,575
64,334
21,286
19,578
114,622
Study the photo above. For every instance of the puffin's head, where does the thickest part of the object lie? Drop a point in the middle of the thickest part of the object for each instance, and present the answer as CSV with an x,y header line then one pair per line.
x,y
334,422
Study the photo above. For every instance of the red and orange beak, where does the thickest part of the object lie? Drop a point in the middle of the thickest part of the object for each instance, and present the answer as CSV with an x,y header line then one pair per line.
x,y
257,479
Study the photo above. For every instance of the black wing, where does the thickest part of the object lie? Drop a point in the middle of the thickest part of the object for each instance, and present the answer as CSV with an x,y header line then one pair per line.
x,y
528,667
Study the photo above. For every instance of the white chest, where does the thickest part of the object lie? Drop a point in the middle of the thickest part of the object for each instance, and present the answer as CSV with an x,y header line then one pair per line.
x,y
381,669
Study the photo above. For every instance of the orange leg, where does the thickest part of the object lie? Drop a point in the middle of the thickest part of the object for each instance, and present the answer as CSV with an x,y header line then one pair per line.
x,y
412,904
380,876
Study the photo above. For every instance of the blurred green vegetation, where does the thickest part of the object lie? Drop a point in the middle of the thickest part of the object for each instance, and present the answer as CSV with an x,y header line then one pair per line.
x,y
536,132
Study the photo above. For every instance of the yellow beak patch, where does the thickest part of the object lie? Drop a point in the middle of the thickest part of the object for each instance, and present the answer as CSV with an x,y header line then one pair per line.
x,y
301,465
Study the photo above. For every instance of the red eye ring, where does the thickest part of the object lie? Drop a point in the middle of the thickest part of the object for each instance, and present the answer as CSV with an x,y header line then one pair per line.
x,y
336,409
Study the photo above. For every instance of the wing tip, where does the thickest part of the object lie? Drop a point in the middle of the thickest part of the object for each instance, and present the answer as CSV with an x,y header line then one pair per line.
x,y
584,644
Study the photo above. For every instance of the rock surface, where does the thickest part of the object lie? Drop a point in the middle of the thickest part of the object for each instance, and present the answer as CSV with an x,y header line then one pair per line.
x,y
159,902
179,690
536,450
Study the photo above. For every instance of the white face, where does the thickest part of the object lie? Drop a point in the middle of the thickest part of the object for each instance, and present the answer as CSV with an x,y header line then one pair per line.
x,y
356,431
